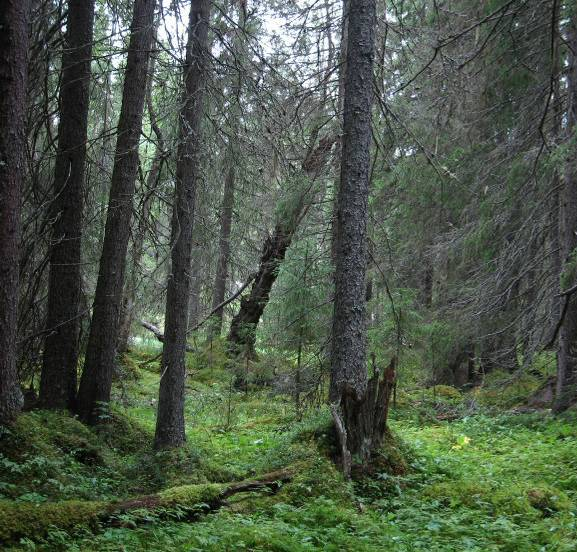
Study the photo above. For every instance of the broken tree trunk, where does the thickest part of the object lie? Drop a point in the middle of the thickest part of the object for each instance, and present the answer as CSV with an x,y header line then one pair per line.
x,y
361,424
202,498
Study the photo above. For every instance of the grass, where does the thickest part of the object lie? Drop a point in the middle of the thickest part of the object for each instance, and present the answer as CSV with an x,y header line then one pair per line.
x,y
481,482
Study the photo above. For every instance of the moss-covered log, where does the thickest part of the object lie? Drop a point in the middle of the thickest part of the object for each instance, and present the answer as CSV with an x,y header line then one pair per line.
x,y
35,521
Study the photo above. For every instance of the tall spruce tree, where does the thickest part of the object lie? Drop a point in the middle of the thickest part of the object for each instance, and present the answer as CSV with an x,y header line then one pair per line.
x,y
170,430
58,378
96,381
359,406
14,23
567,346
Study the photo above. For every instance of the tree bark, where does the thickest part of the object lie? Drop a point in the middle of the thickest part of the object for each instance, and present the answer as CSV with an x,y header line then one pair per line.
x,y
357,407
227,207
96,381
58,377
223,244
170,431
152,180
13,76
566,390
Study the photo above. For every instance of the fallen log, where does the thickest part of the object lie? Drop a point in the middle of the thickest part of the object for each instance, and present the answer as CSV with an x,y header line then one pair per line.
x,y
207,497
187,502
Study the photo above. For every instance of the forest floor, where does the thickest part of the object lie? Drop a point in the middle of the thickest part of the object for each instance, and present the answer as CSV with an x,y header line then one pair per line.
x,y
457,477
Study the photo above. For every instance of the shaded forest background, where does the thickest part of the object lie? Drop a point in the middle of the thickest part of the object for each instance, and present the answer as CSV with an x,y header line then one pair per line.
x,y
237,237
471,236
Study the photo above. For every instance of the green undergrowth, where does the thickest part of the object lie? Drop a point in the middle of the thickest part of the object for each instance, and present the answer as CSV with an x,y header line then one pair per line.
x,y
455,474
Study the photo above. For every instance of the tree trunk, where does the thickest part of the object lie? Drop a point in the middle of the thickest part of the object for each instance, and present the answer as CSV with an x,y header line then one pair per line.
x,y
566,392
223,244
194,307
96,381
358,406
58,377
170,430
242,334
340,106
227,207
129,294
13,75
152,180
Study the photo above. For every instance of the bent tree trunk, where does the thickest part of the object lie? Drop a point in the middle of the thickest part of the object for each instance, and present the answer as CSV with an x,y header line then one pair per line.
x,y
96,381
13,76
242,334
170,420
358,406
566,392
58,378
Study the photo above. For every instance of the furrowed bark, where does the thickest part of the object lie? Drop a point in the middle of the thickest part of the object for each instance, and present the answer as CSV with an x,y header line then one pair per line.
x,y
170,431
14,23
359,406
96,381
566,391
152,181
58,378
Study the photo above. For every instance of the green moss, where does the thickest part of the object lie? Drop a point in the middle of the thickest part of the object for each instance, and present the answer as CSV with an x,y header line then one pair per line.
x,y
458,493
446,391
81,448
36,520
316,477
129,367
510,500
190,496
393,457
45,432
548,500
125,434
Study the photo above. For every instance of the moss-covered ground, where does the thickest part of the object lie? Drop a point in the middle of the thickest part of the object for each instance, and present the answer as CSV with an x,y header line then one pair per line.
x,y
456,477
